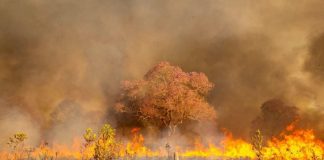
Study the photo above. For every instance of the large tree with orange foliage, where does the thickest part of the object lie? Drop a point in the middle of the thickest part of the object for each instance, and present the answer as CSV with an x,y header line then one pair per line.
x,y
167,97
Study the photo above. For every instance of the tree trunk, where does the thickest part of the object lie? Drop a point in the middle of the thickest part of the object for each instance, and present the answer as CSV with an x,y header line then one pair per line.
x,y
175,156
172,129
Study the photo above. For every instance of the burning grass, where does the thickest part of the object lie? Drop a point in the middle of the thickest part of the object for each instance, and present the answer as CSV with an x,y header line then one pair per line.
x,y
290,145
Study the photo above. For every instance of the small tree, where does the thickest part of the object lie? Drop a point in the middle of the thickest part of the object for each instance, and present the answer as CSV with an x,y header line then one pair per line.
x,y
89,138
106,147
166,97
16,143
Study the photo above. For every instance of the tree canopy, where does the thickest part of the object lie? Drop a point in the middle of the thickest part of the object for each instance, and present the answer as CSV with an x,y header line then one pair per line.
x,y
167,97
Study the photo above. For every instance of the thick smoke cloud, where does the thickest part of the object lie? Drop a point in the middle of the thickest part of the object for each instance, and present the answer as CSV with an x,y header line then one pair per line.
x,y
54,52
21,121
314,61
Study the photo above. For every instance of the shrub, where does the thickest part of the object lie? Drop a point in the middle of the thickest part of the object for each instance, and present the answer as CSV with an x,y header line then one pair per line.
x,y
104,146
16,143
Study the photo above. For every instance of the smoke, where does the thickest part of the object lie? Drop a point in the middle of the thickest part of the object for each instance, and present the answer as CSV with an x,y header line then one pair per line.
x,y
313,63
274,118
15,120
79,51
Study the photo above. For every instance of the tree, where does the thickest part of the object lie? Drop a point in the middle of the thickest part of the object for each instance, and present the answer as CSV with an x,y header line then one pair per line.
x,y
275,117
101,146
89,138
106,147
167,97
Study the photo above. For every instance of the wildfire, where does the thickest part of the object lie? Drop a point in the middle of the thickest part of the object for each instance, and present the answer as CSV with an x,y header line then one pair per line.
x,y
136,146
298,144
230,147
290,145
44,151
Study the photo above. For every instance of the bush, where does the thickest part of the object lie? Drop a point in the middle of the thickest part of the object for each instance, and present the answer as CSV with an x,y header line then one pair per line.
x,y
16,143
104,146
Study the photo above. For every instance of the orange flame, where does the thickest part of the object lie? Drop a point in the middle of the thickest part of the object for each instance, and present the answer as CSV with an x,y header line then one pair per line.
x,y
290,145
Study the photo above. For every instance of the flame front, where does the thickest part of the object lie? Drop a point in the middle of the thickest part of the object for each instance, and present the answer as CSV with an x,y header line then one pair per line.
x,y
290,145
136,147
299,144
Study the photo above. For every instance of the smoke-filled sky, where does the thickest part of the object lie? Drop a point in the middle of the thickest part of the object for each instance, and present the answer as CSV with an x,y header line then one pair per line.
x,y
61,62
